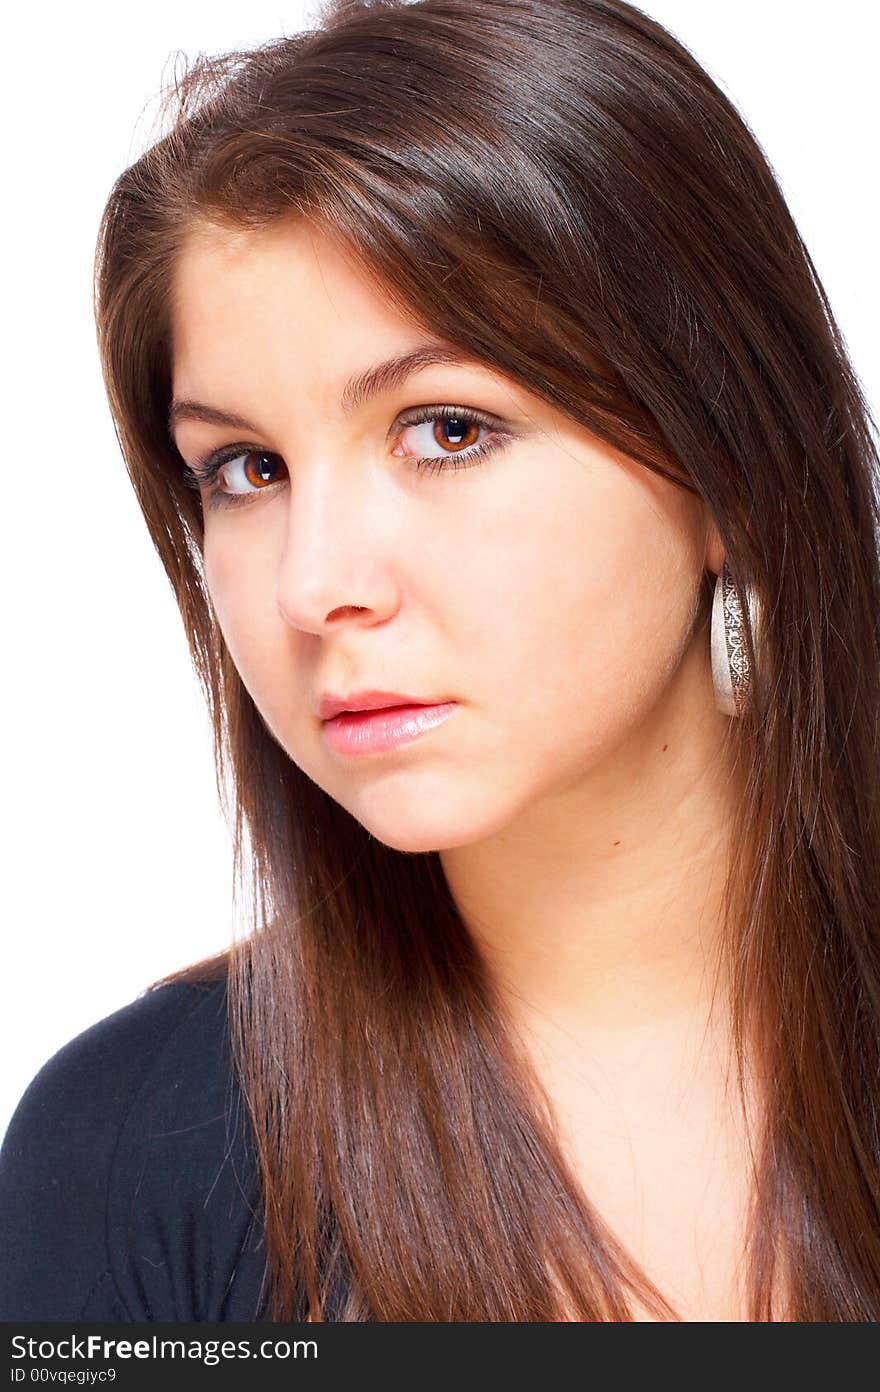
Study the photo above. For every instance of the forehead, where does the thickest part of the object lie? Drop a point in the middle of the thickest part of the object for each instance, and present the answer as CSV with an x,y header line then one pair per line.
x,y
286,315
290,280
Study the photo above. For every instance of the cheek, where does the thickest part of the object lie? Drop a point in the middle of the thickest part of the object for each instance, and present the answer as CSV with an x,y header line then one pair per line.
x,y
242,591
226,585
580,611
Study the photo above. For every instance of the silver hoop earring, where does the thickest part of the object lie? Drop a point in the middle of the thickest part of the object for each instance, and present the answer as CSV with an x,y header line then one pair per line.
x,y
731,671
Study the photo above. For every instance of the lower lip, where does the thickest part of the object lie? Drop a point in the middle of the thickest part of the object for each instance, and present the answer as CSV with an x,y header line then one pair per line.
x,y
376,732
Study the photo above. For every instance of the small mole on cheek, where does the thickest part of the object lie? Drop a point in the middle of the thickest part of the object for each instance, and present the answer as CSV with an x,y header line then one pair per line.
x,y
665,747
615,843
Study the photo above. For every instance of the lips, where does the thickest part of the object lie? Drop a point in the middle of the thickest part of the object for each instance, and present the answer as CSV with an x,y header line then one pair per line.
x,y
383,729
330,706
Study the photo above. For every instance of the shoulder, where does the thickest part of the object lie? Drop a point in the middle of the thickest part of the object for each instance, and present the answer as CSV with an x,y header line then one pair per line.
x,y
127,1183
89,1079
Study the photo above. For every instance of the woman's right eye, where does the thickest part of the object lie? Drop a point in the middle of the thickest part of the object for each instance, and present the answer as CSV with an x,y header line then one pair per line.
x,y
245,473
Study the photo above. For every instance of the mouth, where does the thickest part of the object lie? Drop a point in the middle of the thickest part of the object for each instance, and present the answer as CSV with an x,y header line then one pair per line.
x,y
381,729
330,705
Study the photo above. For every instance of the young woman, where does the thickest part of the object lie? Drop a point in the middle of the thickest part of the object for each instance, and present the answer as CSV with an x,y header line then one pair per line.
x,y
546,688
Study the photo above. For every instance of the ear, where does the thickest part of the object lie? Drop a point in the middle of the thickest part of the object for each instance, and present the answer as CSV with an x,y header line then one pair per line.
x,y
715,552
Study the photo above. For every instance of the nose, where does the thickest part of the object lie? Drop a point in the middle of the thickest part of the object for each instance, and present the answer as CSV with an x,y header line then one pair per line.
x,y
336,566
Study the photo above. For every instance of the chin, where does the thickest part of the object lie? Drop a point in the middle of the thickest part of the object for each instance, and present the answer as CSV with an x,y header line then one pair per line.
x,y
410,844
415,836
428,825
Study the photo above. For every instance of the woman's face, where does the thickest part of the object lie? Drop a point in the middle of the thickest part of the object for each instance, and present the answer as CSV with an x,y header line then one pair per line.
x,y
548,588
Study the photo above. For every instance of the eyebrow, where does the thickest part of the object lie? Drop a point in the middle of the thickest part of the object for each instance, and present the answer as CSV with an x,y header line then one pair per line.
x,y
381,377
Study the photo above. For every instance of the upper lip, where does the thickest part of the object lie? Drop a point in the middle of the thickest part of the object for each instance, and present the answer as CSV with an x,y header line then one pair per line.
x,y
328,706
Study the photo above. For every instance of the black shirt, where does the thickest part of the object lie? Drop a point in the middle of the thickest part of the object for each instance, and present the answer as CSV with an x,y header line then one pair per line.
x,y
128,1178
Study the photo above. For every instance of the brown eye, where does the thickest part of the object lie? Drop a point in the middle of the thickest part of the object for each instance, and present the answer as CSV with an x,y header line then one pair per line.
x,y
259,468
455,431
234,476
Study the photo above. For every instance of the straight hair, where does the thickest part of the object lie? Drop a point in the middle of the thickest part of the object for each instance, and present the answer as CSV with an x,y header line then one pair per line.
x,y
596,221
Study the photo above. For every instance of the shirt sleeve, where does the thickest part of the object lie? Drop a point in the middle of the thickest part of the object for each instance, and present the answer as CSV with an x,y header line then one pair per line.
x,y
57,1160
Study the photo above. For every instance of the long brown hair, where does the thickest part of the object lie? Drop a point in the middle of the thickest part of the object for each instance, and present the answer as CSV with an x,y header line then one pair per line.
x,y
598,223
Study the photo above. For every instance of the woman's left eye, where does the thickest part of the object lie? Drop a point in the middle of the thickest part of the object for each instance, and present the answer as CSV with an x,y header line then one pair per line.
x,y
455,431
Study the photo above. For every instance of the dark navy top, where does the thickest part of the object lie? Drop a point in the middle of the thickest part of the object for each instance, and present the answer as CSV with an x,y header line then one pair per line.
x,y
128,1178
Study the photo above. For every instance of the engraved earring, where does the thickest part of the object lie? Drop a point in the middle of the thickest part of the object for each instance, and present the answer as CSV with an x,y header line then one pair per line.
x,y
731,672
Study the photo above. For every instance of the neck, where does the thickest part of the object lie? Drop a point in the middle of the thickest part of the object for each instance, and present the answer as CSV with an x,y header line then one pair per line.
x,y
599,909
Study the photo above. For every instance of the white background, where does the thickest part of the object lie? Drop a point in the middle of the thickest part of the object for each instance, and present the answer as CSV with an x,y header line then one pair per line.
x,y
117,863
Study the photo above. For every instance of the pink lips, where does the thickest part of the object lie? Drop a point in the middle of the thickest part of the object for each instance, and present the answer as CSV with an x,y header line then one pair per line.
x,y
377,731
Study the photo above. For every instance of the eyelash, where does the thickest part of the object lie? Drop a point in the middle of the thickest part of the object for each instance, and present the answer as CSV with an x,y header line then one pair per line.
x,y
203,474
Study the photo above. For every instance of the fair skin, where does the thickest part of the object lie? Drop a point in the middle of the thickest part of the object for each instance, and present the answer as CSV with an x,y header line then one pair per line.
x,y
578,797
